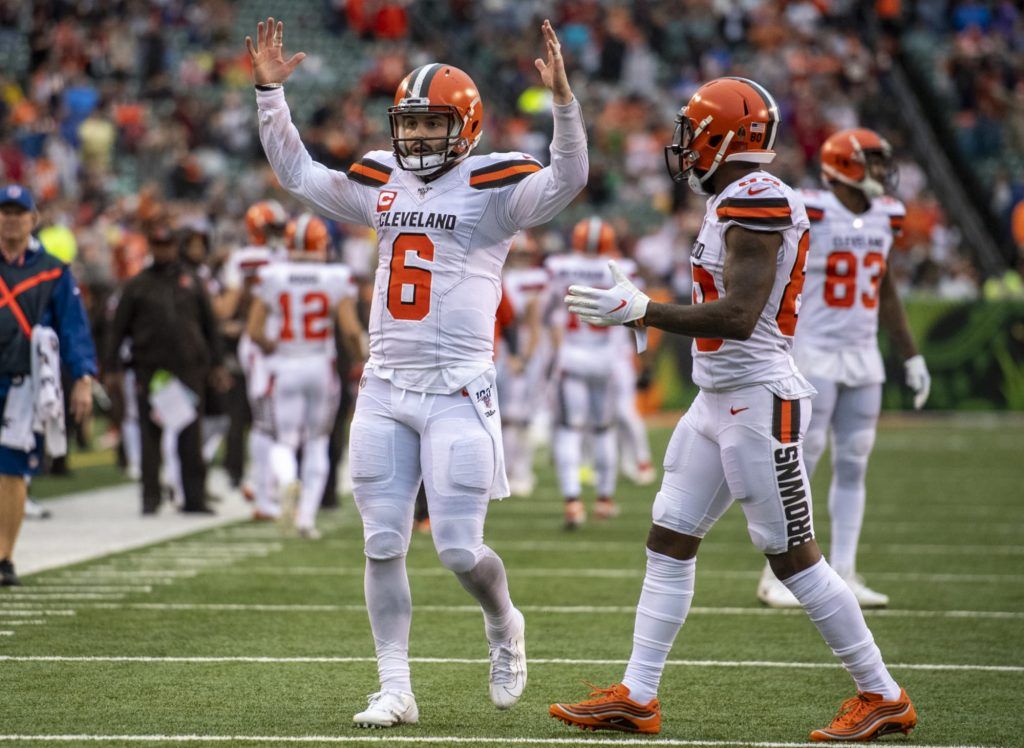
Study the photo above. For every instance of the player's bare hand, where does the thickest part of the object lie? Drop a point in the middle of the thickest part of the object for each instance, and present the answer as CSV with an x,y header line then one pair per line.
x,y
267,54
81,399
552,72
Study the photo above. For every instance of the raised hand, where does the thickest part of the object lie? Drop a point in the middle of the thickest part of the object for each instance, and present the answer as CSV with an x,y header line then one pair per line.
x,y
267,54
552,72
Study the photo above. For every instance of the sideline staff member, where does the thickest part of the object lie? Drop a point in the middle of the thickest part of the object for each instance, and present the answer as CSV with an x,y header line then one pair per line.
x,y
166,313
35,289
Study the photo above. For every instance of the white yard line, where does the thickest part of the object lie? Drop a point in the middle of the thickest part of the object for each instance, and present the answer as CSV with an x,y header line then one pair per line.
x,y
30,622
397,739
53,588
562,609
61,596
635,573
252,660
31,609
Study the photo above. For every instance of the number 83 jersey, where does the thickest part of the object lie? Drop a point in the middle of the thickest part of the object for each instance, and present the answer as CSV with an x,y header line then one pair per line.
x,y
758,202
848,259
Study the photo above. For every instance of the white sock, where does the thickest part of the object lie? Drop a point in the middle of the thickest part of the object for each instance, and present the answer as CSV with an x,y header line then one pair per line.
x,y
568,454
664,603
833,609
604,462
846,508
389,605
313,474
260,444
488,584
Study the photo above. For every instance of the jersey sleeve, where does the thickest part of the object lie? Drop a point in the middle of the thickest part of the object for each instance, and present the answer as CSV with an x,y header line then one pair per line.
x,y
539,194
759,204
896,211
324,190
231,273
814,203
263,289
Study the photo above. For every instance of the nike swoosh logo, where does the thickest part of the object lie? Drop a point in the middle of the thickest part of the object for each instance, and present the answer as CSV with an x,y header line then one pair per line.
x,y
734,411
618,307
752,191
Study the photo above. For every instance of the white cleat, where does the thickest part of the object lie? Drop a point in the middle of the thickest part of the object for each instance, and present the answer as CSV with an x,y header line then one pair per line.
x,y
866,597
309,533
774,593
387,709
508,666
646,474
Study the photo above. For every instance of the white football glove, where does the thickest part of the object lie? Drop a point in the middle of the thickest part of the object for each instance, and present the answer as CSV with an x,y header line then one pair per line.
x,y
617,305
918,379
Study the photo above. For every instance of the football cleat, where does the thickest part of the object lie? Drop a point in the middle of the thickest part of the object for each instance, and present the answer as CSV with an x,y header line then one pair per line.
x,y
508,666
387,709
612,709
575,514
866,597
774,593
606,509
35,510
645,474
868,716
7,576
423,525
309,533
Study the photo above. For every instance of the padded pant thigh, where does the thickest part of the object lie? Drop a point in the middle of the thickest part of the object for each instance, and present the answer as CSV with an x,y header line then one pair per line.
x,y
853,432
822,408
384,458
694,493
460,456
289,408
572,402
767,477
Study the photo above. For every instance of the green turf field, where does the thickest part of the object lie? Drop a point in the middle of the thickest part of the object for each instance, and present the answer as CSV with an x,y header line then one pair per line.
x,y
239,633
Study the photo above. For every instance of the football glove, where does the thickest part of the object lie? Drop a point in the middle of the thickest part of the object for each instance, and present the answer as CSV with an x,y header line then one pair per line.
x,y
605,307
918,379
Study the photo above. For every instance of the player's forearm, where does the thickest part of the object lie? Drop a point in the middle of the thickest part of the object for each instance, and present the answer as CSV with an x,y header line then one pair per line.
x,y
569,134
893,319
717,319
280,138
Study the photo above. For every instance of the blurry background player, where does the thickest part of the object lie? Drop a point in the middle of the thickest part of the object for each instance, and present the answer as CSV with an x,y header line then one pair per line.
x,y
291,320
427,407
585,356
847,294
521,378
265,223
631,430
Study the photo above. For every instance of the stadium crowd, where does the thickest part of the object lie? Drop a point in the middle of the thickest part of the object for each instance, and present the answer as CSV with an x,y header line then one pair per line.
x,y
121,114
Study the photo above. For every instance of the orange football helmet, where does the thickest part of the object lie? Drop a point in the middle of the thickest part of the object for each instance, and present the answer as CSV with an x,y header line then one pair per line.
x,y
592,236
727,119
860,158
307,233
441,90
263,218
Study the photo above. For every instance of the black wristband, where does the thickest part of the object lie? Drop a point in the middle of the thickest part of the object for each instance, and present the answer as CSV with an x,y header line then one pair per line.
x,y
267,86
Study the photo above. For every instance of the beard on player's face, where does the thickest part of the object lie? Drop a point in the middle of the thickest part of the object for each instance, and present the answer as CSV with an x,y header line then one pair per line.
x,y
423,134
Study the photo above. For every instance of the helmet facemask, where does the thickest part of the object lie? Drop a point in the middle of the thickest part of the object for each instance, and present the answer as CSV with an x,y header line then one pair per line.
x,y
426,155
686,157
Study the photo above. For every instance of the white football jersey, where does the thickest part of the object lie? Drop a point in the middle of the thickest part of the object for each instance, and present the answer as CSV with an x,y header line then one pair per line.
x,y
758,202
523,284
240,268
441,244
847,260
301,298
585,349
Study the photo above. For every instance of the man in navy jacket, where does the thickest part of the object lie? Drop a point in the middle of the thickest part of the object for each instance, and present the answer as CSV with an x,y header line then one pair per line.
x,y
35,289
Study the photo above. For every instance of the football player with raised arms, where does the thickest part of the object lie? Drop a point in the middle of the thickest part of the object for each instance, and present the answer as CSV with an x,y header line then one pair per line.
x,y
427,407
848,293
742,437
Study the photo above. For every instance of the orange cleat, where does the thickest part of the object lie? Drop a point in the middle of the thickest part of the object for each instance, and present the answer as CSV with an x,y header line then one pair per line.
x,y
423,525
868,716
611,710
575,514
606,508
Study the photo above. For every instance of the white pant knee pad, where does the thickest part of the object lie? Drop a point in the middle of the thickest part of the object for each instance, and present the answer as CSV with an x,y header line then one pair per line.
x,y
458,560
850,463
384,545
